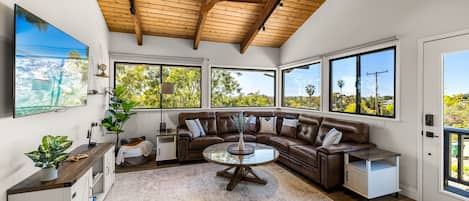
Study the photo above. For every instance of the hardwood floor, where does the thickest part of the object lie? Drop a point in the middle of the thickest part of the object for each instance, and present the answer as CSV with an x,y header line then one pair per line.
x,y
340,194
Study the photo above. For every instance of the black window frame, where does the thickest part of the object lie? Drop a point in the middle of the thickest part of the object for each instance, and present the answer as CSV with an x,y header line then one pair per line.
x,y
245,69
358,80
320,87
161,78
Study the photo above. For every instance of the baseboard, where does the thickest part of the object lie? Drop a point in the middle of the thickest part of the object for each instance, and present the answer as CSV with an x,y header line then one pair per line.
x,y
408,191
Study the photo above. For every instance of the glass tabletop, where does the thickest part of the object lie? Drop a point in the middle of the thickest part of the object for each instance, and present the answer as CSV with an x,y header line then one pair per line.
x,y
262,154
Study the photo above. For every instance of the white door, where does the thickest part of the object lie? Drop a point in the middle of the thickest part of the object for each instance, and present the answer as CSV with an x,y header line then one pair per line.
x,y
446,102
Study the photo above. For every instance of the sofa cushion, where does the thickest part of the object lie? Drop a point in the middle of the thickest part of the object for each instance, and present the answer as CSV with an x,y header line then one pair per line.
x,y
305,153
207,119
264,138
289,127
203,142
283,143
284,115
235,137
308,128
351,131
225,123
251,126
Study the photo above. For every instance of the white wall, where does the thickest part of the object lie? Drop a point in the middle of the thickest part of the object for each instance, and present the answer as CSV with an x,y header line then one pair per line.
x,y
81,19
218,53
340,24
163,50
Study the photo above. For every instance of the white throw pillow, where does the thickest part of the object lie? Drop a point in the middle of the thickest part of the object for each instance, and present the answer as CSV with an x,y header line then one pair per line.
x,y
332,137
195,127
202,131
268,125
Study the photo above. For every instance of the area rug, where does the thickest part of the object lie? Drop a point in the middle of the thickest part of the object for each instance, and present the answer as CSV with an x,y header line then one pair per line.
x,y
199,183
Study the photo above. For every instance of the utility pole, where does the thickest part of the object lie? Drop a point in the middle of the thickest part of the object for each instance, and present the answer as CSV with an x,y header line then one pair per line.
x,y
376,74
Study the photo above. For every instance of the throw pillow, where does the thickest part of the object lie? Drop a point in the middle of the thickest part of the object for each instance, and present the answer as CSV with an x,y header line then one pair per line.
x,y
289,127
199,125
332,137
195,127
251,126
268,125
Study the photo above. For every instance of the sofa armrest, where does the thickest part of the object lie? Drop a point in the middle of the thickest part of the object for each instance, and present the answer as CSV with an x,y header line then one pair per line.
x,y
345,147
184,133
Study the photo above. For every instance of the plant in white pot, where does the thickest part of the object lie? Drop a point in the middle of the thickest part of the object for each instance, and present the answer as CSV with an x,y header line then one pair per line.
x,y
49,155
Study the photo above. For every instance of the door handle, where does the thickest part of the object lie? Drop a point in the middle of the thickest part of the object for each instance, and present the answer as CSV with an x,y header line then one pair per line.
x,y
431,134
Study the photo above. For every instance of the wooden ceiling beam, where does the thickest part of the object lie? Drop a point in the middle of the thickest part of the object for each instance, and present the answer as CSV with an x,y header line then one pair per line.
x,y
269,8
205,7
136,21
247,1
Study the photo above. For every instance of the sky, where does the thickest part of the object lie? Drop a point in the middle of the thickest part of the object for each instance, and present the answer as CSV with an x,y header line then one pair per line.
x,y
31,41
298,78
456,73
252,81
345,69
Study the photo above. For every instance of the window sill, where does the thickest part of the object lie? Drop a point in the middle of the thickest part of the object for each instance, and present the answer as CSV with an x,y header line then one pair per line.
x,y
335,114
395,119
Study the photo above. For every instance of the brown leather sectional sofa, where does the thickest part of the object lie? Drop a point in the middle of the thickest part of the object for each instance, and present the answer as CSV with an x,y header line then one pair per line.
x,y
301,151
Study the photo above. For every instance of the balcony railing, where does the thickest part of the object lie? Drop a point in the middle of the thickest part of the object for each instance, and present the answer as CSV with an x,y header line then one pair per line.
x,y
456,156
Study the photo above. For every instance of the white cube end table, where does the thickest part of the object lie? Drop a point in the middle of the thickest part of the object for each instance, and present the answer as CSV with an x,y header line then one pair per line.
x,y
372,173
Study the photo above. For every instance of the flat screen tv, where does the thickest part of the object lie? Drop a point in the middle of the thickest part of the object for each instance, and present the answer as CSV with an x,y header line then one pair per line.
x,y
51,67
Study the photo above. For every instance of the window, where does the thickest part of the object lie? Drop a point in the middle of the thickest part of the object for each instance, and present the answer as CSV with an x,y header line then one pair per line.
x,y
456,122
142,82
301,87
364,83
242,88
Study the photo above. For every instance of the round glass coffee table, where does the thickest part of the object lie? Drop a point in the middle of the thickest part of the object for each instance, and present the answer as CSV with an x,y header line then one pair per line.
x,y
241,164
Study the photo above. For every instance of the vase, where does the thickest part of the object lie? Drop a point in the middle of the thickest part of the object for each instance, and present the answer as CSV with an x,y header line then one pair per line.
x,y
48,174
241,145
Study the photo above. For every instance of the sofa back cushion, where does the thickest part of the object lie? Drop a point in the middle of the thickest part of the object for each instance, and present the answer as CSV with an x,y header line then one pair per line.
x,y
207,119
308,128
284,115
225,123
351,131
258,123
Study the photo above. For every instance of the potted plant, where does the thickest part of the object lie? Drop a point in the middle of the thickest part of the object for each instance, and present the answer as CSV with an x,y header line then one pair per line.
x,y
118,113
49,155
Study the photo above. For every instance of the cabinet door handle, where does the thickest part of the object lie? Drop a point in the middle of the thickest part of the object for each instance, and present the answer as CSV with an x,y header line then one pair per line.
x,y
74,195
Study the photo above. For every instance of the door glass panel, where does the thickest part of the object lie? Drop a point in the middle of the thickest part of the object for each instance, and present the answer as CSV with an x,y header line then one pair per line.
x,y
456,120
454,147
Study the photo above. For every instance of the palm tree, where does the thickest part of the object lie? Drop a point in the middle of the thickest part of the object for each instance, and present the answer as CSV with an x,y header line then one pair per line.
x,y
341,84
31,18
310,89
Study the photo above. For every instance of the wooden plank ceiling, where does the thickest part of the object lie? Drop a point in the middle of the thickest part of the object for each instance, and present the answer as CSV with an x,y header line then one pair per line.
x,y
229,21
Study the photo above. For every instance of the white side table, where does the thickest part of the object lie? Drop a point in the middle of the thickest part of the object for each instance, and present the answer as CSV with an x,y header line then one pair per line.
x,y
166,144
372,173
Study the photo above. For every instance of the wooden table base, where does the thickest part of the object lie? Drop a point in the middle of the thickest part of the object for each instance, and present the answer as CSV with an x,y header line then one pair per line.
x,y
240,174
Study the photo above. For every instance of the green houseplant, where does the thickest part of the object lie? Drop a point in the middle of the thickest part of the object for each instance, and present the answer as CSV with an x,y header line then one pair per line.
x,y
49,155
118,113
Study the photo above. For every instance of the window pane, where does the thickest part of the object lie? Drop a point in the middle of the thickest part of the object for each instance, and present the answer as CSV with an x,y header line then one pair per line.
x,y
186,82
377,83
243,88
456,90
141,82
302,87
453,154
343,79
